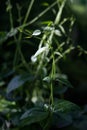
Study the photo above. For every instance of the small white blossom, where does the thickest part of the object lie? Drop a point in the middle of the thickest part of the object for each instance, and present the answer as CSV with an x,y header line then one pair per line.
x,y
41,50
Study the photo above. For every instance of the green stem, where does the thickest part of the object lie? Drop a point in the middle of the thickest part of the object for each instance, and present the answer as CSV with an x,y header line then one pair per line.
x,y
18,49
58,17
10,14
39,16
51,94
19,14
26,17
52,78
28,11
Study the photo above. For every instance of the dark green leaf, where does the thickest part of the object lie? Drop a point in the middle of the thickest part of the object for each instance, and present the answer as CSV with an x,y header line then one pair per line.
x,y
3,37
34,115
15,83
1,121
63,80
60,89
62,120
65,106
18,81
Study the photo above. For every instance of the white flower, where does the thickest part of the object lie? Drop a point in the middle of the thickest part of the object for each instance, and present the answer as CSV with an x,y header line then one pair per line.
x,y
57,32
41,50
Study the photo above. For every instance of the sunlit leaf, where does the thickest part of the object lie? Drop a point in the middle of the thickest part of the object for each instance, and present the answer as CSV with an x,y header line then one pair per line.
x,y
59,54
45,4
62,29
47,22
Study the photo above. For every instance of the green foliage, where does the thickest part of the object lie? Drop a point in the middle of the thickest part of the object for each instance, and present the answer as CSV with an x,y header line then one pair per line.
x,y
32,83
79,8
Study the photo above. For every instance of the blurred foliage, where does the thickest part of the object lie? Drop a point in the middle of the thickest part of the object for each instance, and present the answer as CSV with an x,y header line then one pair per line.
x,y
43,65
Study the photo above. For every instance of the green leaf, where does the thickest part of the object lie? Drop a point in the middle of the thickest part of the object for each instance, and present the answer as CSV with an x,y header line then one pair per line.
x,y
18,81
65,82
58,53
33,115
4,105
49,23
62,29
63,79
60,89
58,18
15,83
9,6
2,83
45,4
61,120
3,36
65,106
